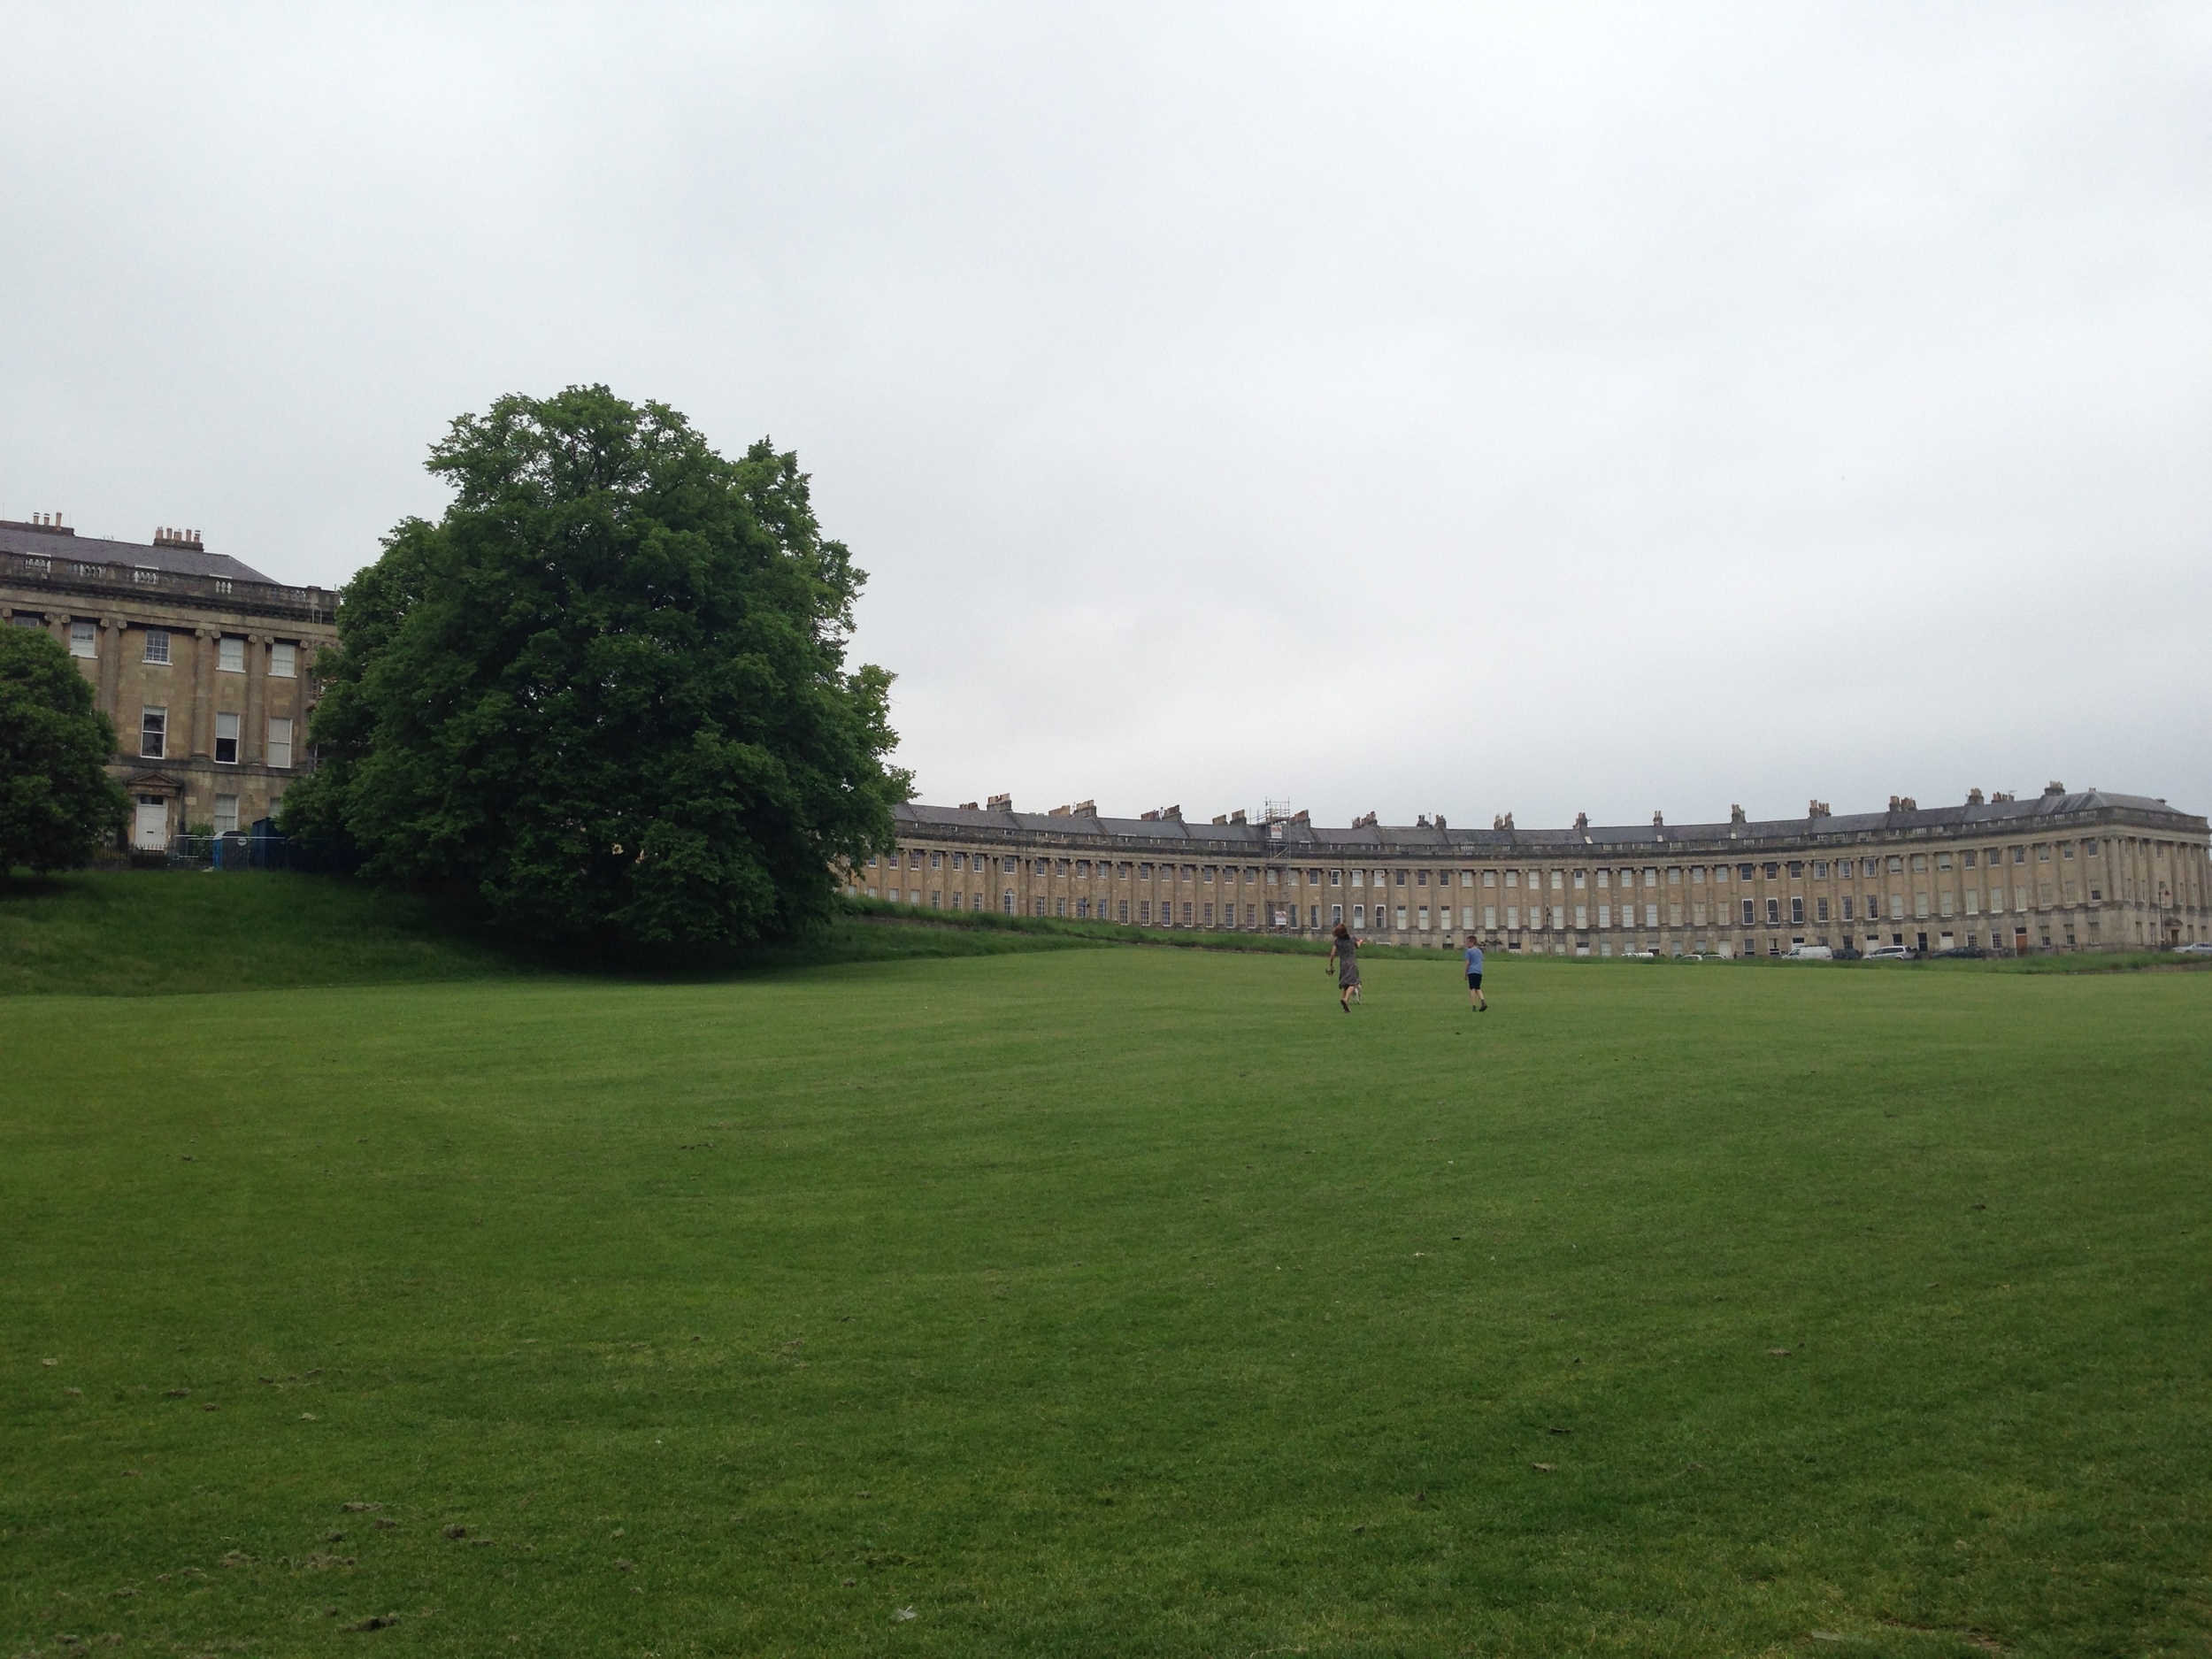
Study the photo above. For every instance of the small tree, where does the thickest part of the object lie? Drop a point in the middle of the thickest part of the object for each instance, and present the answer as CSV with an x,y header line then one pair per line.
x,y
57,801
608,688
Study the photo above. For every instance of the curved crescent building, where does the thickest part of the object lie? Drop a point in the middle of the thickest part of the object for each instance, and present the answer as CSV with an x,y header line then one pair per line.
x,y
2059,871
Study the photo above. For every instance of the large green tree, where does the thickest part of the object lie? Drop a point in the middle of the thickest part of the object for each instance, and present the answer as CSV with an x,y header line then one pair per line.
x,y
608,688
57,801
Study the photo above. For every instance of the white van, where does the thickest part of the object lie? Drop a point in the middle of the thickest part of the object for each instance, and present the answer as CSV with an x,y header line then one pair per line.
x,y
1810,953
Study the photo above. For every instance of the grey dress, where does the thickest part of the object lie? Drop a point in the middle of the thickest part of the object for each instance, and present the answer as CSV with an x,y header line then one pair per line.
x,y
1347,962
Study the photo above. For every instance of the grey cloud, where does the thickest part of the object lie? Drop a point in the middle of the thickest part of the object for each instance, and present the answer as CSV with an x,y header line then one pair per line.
x,y
1418,409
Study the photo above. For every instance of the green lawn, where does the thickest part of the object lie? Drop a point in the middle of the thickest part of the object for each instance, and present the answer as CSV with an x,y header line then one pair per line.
x,y
1098,1301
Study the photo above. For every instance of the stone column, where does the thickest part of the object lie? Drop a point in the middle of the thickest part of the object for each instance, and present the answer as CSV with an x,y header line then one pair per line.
x,y
112,639
203,694
252,738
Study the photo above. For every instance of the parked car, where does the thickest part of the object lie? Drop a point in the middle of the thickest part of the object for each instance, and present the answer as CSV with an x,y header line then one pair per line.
x,y
1809,953
2197,947
1845,953
1972,951
1891,953
1639,956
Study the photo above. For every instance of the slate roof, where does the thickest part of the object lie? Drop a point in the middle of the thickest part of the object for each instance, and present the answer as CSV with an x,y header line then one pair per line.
x,y
16,538
1998,817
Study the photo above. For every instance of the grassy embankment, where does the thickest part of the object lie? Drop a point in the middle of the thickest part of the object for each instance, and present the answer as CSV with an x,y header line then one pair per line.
x,y
145,932
1094,1301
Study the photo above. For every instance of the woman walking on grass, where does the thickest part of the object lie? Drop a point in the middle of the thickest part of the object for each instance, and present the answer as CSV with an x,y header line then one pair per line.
x,y
1344,958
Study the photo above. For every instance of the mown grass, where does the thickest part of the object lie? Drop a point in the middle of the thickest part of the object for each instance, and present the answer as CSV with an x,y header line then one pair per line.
x,y
1112,1301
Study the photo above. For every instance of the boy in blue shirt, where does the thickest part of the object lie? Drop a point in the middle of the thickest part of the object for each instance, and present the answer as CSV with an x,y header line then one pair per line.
x,y
1475,999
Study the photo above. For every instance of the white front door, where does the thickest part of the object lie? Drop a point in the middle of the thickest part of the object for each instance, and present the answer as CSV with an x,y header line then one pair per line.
x,y
151,833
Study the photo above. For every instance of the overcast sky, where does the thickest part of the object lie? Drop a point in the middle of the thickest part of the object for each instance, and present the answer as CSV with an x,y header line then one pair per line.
x,y
1468,410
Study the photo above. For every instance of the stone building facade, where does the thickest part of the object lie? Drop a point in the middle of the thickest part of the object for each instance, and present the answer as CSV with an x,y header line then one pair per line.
x,y
2060,872
203,663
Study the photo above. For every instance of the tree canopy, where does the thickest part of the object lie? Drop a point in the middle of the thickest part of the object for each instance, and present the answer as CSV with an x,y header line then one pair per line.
x,y
607,687
57,801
